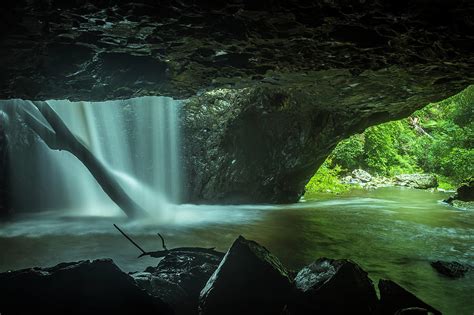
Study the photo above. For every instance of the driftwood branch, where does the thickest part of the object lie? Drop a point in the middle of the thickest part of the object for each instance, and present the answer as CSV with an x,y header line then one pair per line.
x,y
59,137
165,251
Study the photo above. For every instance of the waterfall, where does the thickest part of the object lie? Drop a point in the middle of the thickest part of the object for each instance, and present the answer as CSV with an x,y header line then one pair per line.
x,y
137,139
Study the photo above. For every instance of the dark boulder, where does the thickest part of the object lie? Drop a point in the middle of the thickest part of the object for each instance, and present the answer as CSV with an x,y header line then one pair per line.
x,y
465,192
84,287
396,300
179,278
329,286
451,269
249,280
464,196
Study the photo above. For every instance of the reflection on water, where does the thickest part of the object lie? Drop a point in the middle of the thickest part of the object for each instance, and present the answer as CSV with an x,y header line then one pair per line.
x,y
392,233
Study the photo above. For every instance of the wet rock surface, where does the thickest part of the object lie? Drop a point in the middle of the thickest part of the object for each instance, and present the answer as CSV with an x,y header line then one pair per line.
x,y
179,278
394,299
451,269
249,280
89,50
85,287
329,286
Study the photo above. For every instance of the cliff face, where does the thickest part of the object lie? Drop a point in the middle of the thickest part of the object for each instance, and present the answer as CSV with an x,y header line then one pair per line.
x,y
278,83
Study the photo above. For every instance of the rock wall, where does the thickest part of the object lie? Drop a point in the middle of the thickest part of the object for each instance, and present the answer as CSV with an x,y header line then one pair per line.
x,y
263,144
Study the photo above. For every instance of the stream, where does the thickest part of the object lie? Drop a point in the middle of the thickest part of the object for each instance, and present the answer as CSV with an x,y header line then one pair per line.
x,y
392,233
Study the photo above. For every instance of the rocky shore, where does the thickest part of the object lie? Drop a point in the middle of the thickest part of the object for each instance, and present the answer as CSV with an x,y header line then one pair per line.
x,y
248,279
366,180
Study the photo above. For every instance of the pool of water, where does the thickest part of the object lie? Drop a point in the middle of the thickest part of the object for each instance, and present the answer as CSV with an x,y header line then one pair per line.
x,y
391,232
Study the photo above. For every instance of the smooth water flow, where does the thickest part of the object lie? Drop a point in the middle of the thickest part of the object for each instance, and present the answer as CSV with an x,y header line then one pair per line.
x,y
137,139
392,233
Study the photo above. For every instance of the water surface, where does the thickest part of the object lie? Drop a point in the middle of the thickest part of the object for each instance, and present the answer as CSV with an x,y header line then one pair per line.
x,y
391,232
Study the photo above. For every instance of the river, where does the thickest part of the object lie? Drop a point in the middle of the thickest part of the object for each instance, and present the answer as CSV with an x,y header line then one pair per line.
x,y
392,233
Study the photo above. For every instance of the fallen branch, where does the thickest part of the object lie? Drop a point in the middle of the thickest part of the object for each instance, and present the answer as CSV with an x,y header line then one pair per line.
x,y
59,137
166,251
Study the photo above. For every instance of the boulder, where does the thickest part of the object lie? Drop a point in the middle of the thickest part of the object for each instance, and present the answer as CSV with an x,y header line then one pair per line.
x,y
420,181
249,280
465,192
179,278
464,196
84,287
329,286
451,269
396,300
361,175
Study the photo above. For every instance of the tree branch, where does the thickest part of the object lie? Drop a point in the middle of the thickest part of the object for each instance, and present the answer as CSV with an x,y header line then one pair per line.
x,y
61,138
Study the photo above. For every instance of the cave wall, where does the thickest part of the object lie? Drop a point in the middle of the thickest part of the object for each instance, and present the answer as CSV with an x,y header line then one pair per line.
x,y
114,49
264,143
272,85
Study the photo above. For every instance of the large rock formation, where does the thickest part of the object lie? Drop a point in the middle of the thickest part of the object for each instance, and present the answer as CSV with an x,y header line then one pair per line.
x,y
249,280
263,144
85,287
290,78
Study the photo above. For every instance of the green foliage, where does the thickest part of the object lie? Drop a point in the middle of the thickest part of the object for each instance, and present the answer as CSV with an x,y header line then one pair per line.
x,y
440,141
349,153
326,179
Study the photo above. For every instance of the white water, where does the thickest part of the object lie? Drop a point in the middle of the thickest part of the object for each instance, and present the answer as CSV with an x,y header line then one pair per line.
x,y
137,139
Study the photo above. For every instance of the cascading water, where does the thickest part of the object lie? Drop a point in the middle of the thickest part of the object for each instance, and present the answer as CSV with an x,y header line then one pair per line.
x,y
137,139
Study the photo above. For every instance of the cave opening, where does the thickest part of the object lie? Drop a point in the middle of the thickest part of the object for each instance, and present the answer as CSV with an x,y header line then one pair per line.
x,y
124,200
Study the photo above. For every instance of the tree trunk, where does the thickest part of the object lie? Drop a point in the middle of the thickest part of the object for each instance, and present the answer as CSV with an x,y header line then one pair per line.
x,y
61,138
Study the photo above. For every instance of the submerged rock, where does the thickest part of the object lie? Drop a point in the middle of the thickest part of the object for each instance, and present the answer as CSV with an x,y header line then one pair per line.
x,y
84,287
249,280
179,278
451,269
329,286
396,300
420,181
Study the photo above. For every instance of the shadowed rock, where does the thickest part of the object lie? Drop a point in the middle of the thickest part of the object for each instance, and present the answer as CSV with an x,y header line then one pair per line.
x,y
394,298
84,287
249,280
451,269
464,196
179,278
329,286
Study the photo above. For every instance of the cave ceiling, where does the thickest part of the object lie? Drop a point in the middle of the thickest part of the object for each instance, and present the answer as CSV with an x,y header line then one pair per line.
x,y
100,50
